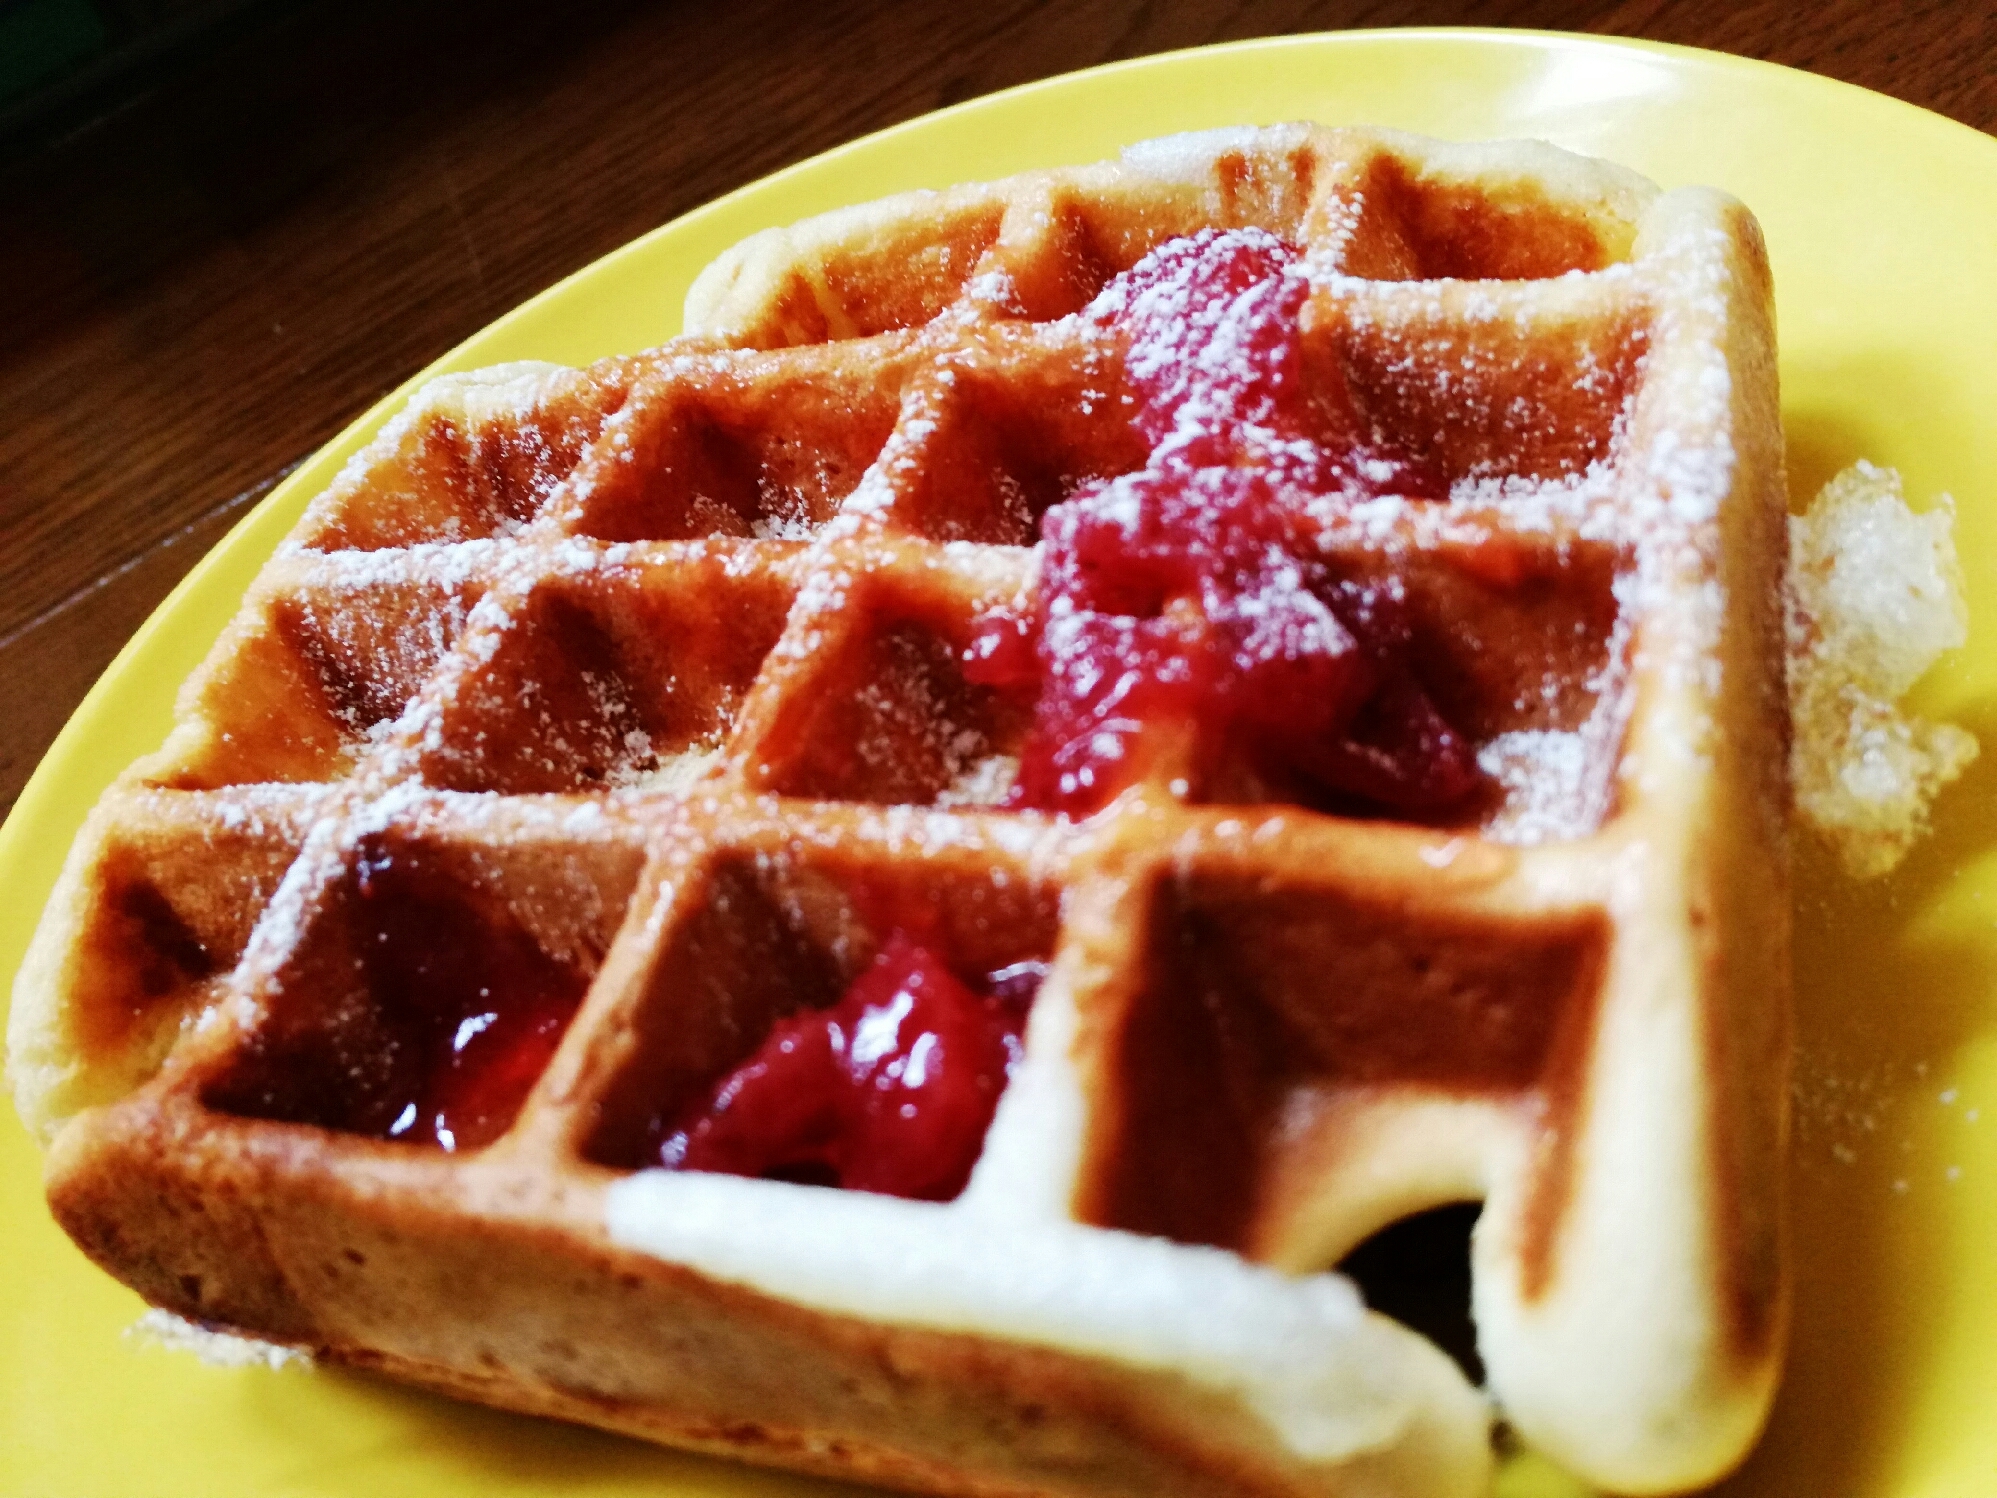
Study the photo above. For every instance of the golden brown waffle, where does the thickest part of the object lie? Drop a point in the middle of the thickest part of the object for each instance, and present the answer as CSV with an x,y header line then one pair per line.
x,y
643,689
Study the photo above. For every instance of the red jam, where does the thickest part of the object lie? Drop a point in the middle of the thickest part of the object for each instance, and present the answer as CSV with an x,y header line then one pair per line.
x,y
481,1007
1189,598
890,1090
483,1069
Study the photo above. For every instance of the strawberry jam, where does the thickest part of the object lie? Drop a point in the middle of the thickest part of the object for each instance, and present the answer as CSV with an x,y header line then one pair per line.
x,y
1187,604
481,1007
890,1090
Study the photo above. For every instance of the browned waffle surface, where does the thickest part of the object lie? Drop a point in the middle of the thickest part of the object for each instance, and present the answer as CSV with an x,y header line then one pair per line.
x,y
644,702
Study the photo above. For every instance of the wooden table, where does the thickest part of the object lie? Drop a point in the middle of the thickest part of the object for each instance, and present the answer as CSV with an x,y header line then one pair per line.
x,y
202,285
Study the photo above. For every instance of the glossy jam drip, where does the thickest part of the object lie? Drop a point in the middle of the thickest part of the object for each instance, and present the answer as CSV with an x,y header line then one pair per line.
x,y
478,1002
890,1090
1184,608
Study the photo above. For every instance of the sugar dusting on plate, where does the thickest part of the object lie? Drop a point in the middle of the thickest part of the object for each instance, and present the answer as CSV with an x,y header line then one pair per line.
x,y
1875,596
216,1349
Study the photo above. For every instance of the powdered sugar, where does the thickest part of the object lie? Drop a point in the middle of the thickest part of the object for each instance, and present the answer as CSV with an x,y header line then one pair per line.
x,y
1875,596
215,1348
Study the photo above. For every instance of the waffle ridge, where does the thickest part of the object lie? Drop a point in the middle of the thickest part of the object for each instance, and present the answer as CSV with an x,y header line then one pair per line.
x,y
645,684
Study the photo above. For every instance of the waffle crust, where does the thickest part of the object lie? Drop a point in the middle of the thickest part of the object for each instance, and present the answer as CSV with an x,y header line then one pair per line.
x,y
645,683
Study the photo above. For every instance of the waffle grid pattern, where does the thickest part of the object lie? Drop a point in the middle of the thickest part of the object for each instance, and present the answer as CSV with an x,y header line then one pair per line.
x,y
647,679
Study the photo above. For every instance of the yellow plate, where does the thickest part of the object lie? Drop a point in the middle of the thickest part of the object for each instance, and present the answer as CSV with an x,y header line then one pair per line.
x,y
1882,222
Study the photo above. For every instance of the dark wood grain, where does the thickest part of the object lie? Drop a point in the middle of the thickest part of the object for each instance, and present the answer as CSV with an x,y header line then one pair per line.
x,y
204,284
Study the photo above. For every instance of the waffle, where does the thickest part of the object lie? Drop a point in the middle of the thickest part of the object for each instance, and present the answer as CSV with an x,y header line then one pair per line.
x,y
643,711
